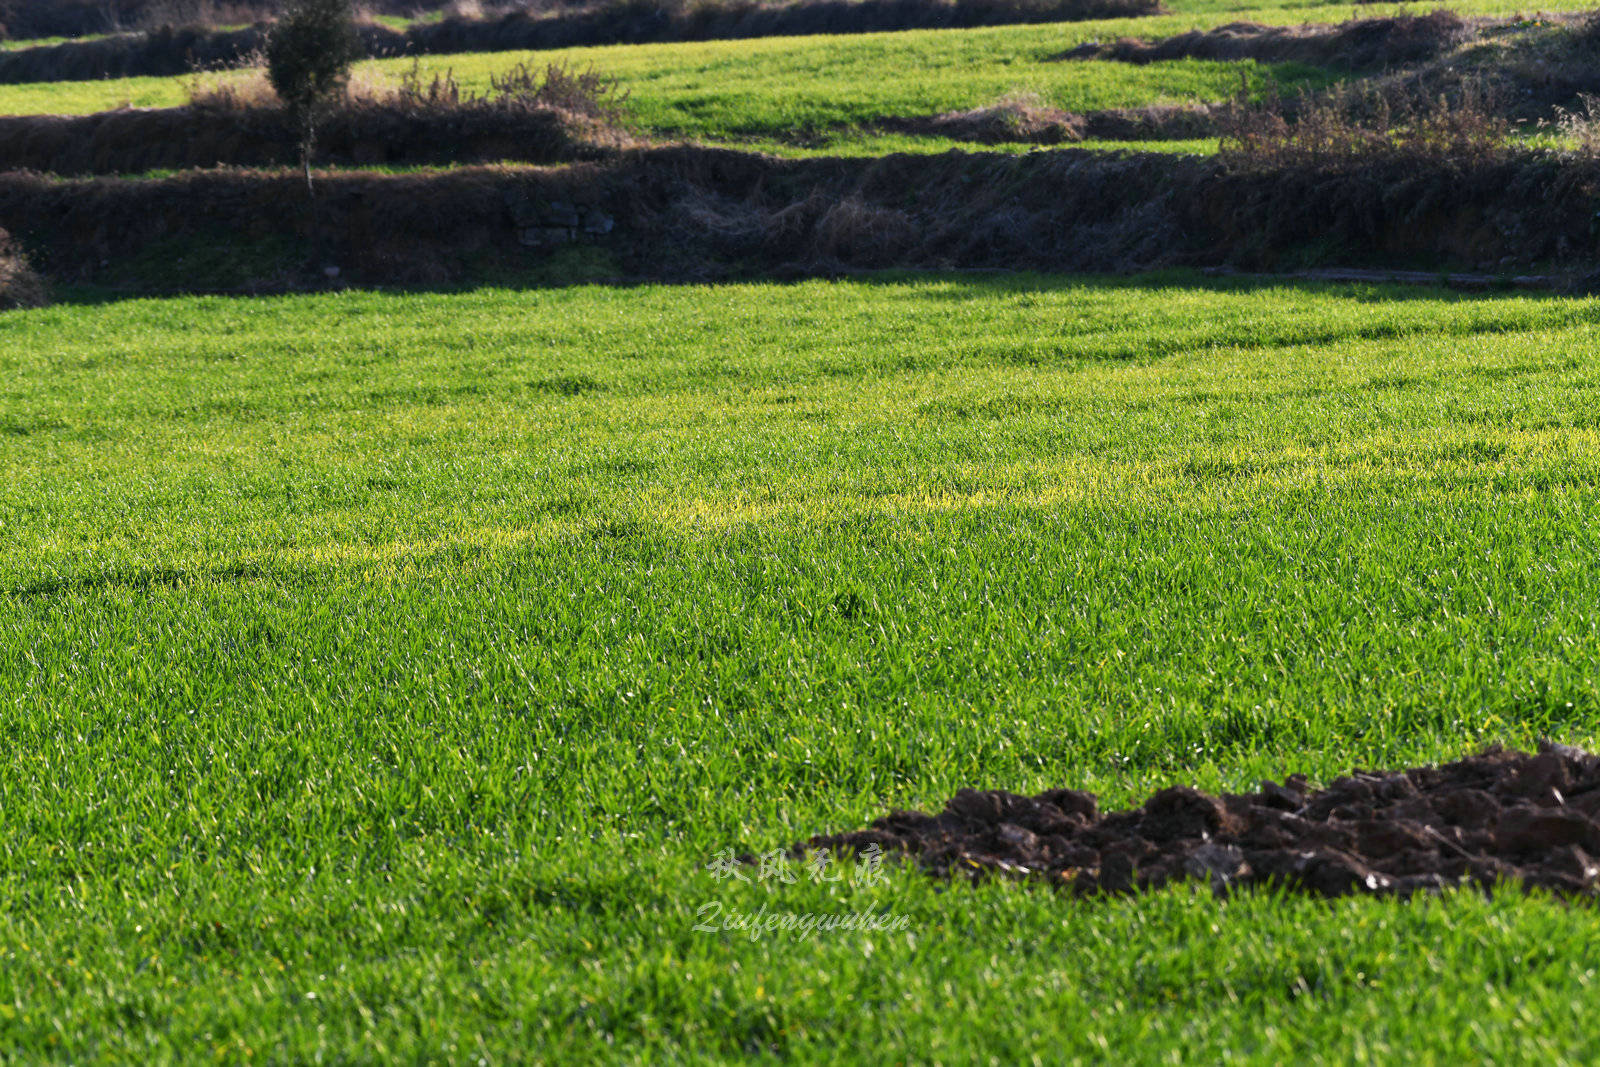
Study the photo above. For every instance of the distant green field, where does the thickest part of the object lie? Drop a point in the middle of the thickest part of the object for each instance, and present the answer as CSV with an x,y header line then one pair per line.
x,y
776,94
774,88
379,672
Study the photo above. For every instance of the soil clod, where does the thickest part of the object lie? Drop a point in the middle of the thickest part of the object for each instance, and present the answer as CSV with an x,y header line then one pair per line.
x,y
1498,817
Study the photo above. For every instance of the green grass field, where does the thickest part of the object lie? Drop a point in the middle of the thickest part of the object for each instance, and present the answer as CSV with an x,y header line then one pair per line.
x,y
771,90
379,672
811,95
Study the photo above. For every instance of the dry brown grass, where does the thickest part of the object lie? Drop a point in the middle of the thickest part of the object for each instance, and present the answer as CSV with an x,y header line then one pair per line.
x,y
1361,125
20,287
1580,124
1016,117
853,230
586,94
246,89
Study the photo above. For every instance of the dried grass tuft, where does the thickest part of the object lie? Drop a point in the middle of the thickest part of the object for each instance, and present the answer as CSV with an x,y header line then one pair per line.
x,y
1363,125
586,94
20,287
1580,125
1016,117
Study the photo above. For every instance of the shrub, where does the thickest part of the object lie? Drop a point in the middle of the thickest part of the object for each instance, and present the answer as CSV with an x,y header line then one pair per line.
x,y
309,54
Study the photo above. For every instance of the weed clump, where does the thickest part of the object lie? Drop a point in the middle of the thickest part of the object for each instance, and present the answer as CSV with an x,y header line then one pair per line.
x,y
1017,117
1363,125
584,94
20,287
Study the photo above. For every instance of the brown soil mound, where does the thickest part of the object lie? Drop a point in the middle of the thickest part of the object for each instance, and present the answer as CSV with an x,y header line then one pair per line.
x,y
1359,44
20,287
1497,817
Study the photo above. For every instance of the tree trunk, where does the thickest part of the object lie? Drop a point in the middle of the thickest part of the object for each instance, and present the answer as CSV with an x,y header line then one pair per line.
x,y
308,138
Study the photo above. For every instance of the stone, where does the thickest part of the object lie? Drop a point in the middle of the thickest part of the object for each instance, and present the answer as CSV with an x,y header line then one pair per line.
x,y
598,223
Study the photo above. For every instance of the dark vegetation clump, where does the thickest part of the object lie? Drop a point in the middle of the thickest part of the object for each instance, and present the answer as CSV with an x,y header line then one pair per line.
x,y
1498,818
20,287
1360,44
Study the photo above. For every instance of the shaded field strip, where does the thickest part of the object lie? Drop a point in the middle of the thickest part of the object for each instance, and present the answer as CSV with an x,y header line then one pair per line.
x,y
169,51
689,214
1497,818
140,579
136,140
1477,282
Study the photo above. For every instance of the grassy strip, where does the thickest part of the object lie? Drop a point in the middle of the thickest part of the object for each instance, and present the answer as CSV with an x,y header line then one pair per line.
x,y
773,87
379,671
849,144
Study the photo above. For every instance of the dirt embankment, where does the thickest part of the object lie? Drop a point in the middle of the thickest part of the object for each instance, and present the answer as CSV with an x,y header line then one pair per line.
x,y
1493,819
1360,44
691,213
138,140
133,141
1029,121
168,51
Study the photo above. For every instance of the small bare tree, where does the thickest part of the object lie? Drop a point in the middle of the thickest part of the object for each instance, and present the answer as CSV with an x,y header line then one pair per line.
x,y
309,53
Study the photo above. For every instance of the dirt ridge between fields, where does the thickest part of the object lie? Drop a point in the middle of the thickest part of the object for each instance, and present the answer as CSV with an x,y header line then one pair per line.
x,y
687,213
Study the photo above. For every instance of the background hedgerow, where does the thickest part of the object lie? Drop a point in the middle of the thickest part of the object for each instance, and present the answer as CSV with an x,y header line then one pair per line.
x,y
1358,44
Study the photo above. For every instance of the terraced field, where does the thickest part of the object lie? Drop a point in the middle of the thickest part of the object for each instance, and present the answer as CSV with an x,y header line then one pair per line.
x,y
770,93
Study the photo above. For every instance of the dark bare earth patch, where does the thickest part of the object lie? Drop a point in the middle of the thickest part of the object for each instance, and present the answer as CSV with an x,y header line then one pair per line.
x,y
1500,817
